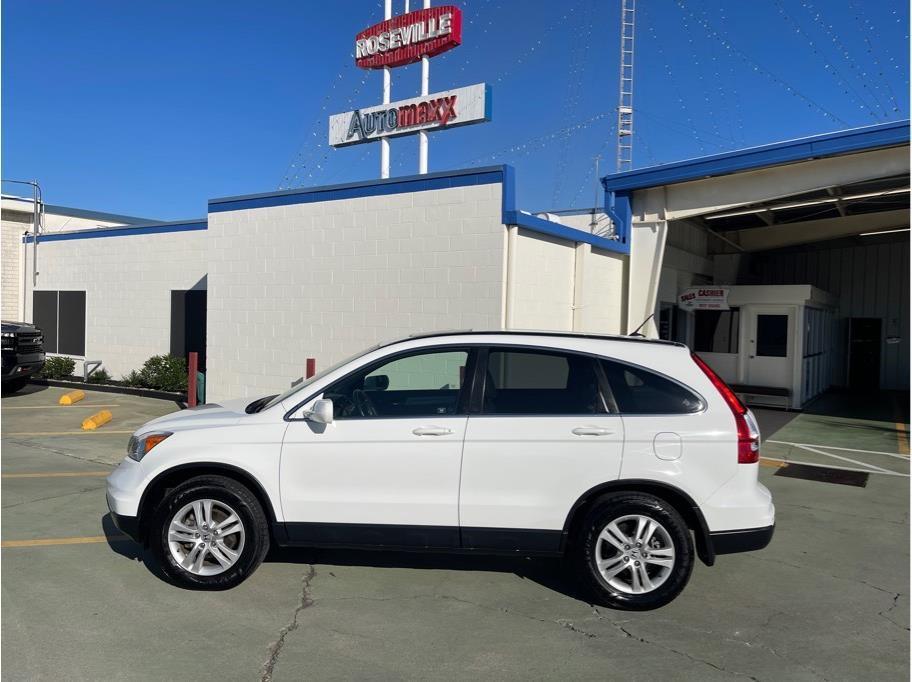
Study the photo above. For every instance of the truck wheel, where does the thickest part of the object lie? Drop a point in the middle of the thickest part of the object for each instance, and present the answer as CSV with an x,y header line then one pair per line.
x,y
210,532
634,551
14,385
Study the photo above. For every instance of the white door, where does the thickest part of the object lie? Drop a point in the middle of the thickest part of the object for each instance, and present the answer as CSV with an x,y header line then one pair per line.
x,y
386,470
542,438
770,346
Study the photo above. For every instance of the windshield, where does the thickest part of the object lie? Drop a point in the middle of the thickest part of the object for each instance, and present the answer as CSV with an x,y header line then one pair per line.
x,y
316,377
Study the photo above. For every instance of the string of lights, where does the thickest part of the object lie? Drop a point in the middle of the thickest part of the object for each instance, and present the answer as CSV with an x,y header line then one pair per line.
x,y
730,94
540,141
705,84
847,88
574,84
863,19
758,68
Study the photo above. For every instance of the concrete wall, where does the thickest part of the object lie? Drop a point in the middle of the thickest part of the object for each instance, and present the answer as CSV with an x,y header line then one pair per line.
x,y
565,285
543,282
10,268
327,279
128,281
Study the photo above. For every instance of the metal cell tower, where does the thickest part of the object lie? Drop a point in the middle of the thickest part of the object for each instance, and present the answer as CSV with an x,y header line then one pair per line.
x,y
625,98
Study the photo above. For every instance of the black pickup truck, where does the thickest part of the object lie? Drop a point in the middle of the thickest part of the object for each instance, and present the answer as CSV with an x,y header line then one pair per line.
x,y
23,354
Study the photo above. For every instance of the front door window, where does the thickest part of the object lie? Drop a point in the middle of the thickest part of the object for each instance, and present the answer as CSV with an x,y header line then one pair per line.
x,y
425,384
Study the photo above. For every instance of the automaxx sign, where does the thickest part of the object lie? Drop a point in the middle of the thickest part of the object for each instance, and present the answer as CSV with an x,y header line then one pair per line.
x,y
397,41
470,104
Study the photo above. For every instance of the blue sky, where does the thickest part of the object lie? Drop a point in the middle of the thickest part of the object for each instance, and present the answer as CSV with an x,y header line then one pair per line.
x,y
151,108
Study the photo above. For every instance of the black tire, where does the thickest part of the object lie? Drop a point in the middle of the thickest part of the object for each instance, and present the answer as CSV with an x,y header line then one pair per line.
x,y
14,385
220,489
587,548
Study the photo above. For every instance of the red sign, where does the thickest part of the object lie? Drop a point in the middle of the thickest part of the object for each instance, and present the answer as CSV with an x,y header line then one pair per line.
x,y
409,37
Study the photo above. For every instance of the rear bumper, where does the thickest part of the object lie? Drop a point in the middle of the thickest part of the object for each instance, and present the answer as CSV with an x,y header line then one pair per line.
x,y
745,540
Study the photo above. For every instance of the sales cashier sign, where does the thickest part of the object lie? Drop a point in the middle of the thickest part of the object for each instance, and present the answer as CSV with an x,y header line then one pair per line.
x,y
704,298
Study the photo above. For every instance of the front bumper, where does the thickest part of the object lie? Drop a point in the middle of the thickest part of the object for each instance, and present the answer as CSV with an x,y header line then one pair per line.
x,y
21,366
129,525
745,540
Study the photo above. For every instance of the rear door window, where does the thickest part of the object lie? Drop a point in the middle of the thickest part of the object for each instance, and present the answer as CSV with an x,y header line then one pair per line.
x,y
639,391
540,382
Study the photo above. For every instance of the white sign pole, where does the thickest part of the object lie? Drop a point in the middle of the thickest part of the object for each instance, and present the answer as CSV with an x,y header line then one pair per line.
x,y
425,82
384,143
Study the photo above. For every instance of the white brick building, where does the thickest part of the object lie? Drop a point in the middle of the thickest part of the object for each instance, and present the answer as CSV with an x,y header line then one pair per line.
x,y
269,280
325,272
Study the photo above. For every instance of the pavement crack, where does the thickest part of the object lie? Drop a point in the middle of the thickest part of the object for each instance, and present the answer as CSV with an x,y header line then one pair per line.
x,y
276,649
883,614
629,635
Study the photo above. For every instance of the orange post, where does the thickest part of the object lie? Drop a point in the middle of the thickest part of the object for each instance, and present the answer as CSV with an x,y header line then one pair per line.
x,y
191,380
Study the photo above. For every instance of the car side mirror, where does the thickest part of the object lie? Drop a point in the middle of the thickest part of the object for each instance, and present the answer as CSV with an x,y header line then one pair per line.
x,y
321,412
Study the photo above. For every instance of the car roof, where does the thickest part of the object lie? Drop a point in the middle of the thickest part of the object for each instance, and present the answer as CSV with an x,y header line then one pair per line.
x,y
532,332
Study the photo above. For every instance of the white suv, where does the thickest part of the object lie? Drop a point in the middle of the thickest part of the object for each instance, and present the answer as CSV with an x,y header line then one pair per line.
x,y
627,454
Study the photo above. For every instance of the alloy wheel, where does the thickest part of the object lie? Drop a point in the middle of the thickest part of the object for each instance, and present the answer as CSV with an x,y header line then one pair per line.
x,y
635,554
206,537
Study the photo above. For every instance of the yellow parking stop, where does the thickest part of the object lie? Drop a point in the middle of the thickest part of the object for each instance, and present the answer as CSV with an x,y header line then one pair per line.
x,y
96,420
72,397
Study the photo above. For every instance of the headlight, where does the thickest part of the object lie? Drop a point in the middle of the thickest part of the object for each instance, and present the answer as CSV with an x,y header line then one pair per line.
x,y
9,340
140,446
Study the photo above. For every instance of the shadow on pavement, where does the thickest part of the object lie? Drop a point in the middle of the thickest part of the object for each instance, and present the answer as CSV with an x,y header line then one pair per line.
x,y
552,573
127,548
881,406
28,389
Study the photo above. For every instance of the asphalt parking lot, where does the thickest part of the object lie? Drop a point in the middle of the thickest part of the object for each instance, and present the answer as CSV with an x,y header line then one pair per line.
x,y
828,599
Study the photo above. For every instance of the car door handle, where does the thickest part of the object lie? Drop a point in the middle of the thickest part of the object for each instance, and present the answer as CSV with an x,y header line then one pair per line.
x,y
432,431
591,431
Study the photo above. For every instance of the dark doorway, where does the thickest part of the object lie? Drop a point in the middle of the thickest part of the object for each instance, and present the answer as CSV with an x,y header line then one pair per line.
x,y
188,324
864,352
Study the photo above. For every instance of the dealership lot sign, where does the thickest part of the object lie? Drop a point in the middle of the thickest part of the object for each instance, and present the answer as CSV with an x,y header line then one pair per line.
x,y
462,106
704,298
409,37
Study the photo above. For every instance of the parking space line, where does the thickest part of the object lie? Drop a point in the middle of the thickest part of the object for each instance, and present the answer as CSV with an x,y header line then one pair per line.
x,y
46,407
63,433
776,464
52,542
903,438
57,474
844,459
833,466
834,447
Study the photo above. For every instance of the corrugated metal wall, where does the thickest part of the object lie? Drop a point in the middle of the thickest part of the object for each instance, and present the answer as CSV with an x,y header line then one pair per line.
x,y
869,275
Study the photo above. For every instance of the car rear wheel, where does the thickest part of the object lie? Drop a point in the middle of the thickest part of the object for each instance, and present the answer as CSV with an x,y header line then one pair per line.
x,y
635,551
210,533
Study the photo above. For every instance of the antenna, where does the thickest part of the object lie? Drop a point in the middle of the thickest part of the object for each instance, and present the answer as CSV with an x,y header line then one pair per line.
x,y
625,97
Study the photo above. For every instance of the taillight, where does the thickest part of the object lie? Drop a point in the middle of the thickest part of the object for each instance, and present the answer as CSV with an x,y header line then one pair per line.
x,y
748,432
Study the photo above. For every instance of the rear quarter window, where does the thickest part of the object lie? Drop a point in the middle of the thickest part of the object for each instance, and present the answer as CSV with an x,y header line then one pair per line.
x,y
640,391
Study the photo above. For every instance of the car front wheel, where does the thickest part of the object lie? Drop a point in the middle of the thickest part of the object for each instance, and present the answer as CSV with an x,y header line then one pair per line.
x,y
210,533
635,552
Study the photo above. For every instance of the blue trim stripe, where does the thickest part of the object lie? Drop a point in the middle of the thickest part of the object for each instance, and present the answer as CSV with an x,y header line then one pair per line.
x,y
418,183
830,144
536,224
127,231
354,190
